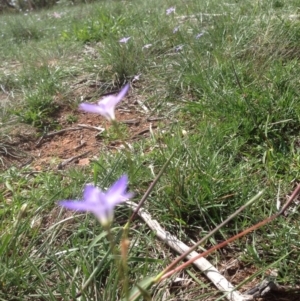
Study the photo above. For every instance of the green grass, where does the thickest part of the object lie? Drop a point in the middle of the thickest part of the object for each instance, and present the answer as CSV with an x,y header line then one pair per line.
x,y
235,91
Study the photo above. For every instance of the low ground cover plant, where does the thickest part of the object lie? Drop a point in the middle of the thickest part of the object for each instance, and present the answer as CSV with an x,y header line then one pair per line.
x,y
214,86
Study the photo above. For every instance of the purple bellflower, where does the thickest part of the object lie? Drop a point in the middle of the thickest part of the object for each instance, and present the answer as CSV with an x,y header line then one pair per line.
x,y
199,35
179,48
175,29
105,106
124,40
170,10
146,46
100,203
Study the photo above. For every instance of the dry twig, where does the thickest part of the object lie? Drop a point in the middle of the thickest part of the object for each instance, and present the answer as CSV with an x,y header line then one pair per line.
x,y
197,259
67,161
204,265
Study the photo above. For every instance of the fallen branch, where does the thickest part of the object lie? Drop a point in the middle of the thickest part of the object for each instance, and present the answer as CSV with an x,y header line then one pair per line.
x,y
144,107
268,286
203,264
80,145
61,131
90,127
131,121
79,127
235,237
142,132
46,135
197,259
67,161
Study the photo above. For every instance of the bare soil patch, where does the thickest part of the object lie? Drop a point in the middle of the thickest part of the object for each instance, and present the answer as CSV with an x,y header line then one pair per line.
x,y
80,137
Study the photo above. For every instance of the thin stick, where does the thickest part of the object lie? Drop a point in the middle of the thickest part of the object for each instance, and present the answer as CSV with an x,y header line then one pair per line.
x,y
67,161
177,260
233,238
90,127
46,135
61,131
79,127
203,264
236,77
288,203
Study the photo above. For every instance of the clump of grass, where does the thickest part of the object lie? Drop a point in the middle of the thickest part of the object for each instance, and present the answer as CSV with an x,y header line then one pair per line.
x,y
43,84
23,31
96,28
234,91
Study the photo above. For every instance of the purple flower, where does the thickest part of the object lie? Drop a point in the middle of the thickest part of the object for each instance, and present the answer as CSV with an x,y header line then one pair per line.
x,y
106,106
179,48
100,203
56,15
136,78
199,35
124,40
170,10
175,29
146,46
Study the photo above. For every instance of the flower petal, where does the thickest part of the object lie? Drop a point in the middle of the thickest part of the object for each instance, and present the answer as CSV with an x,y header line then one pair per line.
x,y
123,92
170,10
106,106
90,108
76,205
120,186
108,110
124,40
104,214
92,194
117,193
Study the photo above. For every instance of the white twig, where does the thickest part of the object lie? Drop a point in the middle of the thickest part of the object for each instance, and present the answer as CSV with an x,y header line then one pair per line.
x,y
204,265
90,127
143,106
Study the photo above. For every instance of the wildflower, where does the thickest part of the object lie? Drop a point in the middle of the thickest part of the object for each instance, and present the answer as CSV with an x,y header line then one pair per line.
x,y
106,106
136,78
124,40
146,46
199,35
56,15
100,203
179,48
170,10
175,29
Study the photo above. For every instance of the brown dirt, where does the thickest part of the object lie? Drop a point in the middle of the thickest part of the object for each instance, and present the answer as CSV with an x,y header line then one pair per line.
x,y
76,142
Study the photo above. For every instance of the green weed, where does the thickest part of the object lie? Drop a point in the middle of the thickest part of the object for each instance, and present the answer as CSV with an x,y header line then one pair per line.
x,y
233,92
